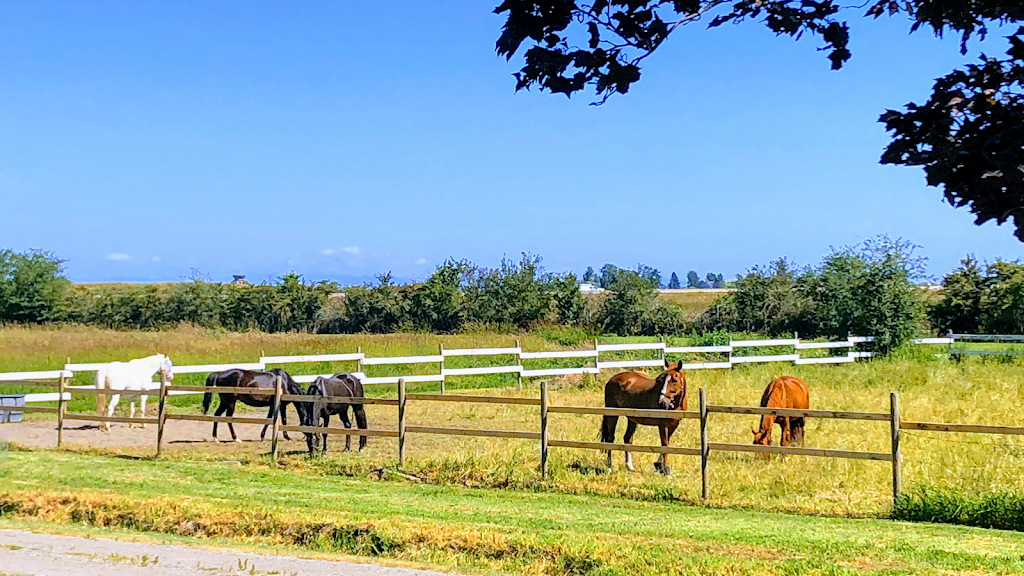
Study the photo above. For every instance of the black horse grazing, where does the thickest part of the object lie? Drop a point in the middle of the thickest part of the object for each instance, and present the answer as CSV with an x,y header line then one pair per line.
x,y
344,385
237,377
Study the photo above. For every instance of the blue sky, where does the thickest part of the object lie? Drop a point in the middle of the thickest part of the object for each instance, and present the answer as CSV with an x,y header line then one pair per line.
x,y
142,140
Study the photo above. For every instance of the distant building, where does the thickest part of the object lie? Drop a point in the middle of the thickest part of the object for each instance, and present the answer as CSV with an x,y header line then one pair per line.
x,y
239,280
586,287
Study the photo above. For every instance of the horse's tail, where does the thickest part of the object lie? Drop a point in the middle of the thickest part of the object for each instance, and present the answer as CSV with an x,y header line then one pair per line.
x,y
211,380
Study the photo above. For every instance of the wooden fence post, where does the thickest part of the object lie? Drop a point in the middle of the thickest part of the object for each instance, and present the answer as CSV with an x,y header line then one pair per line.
x,y
440,352
519,362
703,443
161,413
544,429
597,357
401,422
276,422
894,432
61,386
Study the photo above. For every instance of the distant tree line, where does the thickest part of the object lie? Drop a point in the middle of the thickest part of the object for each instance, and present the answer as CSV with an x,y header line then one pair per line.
x,y
868,289
652,276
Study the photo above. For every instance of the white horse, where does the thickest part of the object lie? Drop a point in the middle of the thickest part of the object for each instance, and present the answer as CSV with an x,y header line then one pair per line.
x,y
132,375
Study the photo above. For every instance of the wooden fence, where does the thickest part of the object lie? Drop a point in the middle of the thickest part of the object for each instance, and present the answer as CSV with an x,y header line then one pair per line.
x,y
545,409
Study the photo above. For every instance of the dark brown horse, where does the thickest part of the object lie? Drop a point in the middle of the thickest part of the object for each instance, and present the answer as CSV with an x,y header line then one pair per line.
x,y
783,392
343,385
636,390
237,377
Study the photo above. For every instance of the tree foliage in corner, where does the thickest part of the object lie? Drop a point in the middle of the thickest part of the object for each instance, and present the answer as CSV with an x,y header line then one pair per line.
x,y
968,136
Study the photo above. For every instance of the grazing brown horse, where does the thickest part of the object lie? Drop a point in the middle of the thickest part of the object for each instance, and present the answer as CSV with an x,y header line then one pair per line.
x,y
783,392
636,390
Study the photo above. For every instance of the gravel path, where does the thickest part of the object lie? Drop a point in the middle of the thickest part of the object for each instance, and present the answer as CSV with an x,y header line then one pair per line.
x,y
51,555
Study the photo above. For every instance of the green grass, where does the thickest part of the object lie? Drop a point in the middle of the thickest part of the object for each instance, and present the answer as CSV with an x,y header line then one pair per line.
x,y
479,530
1002,510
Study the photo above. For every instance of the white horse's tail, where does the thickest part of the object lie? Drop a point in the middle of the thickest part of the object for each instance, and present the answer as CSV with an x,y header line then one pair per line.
x,y
101,383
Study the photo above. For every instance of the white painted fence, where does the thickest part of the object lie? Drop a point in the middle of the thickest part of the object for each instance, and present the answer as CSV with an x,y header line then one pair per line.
x,y
590,358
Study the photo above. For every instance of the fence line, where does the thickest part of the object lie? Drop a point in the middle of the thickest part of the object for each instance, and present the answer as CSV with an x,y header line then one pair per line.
x,y
595,366
705,410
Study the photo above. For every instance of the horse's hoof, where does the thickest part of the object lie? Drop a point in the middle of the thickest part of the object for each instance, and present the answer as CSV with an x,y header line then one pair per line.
x,y
142,425
657,466
629,467
238,440
666,471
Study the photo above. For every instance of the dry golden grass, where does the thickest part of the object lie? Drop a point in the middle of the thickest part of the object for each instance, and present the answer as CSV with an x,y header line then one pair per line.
x,y
693,304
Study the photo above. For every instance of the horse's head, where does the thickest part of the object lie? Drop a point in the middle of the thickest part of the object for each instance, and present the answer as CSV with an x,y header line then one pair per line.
x,y
762,437
166,368
672,383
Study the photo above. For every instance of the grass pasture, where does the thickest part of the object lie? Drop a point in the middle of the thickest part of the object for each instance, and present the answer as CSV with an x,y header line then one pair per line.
x,y
931,389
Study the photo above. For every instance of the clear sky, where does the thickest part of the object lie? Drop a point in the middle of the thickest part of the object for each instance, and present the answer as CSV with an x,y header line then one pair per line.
x,y
141,140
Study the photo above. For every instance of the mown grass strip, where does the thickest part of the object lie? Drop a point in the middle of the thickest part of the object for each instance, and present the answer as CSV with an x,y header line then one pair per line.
x,y
479,530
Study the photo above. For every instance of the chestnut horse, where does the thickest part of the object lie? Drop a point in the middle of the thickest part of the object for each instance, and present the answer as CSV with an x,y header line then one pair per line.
x,y
783,392
636,390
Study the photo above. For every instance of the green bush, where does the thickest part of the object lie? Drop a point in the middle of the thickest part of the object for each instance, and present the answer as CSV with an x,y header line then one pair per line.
x,y
865,290
514,294
32,286
631,308
999,510
380,308
868,290
772,300
438,304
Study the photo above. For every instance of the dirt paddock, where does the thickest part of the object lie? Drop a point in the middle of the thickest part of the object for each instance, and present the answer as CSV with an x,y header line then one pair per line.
x,y
177,435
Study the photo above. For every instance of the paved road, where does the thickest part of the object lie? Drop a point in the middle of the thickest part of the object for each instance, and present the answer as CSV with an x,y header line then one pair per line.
x,y
50,555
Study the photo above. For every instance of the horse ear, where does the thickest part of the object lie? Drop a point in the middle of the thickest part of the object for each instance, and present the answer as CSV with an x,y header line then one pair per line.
x,y
679,366
667,365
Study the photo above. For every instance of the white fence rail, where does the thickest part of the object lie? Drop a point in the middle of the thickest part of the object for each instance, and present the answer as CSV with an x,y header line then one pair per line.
x,y
594,360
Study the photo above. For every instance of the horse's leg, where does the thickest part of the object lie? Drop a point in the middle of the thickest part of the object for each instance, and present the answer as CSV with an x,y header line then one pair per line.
x,y
231,414
110,410
798,431
131,410
142,403
325,417
284,421
360,413
608,425
348,424
270,416
666,433
627,438
222,408
787,432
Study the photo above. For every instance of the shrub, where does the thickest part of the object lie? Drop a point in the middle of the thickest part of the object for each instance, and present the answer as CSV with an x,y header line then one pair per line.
x,y
514,294
630,300
869,290
771,299
999,510
32,286
438,304
379,308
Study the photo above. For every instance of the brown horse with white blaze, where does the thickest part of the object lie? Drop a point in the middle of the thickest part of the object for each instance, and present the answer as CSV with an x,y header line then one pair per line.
x,y
667,391
783,392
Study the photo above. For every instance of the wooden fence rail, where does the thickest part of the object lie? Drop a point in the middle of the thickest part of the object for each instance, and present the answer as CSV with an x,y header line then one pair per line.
x,y
546,409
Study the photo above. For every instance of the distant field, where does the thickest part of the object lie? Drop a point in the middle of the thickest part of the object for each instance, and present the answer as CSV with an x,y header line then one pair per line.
x,y
693,304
